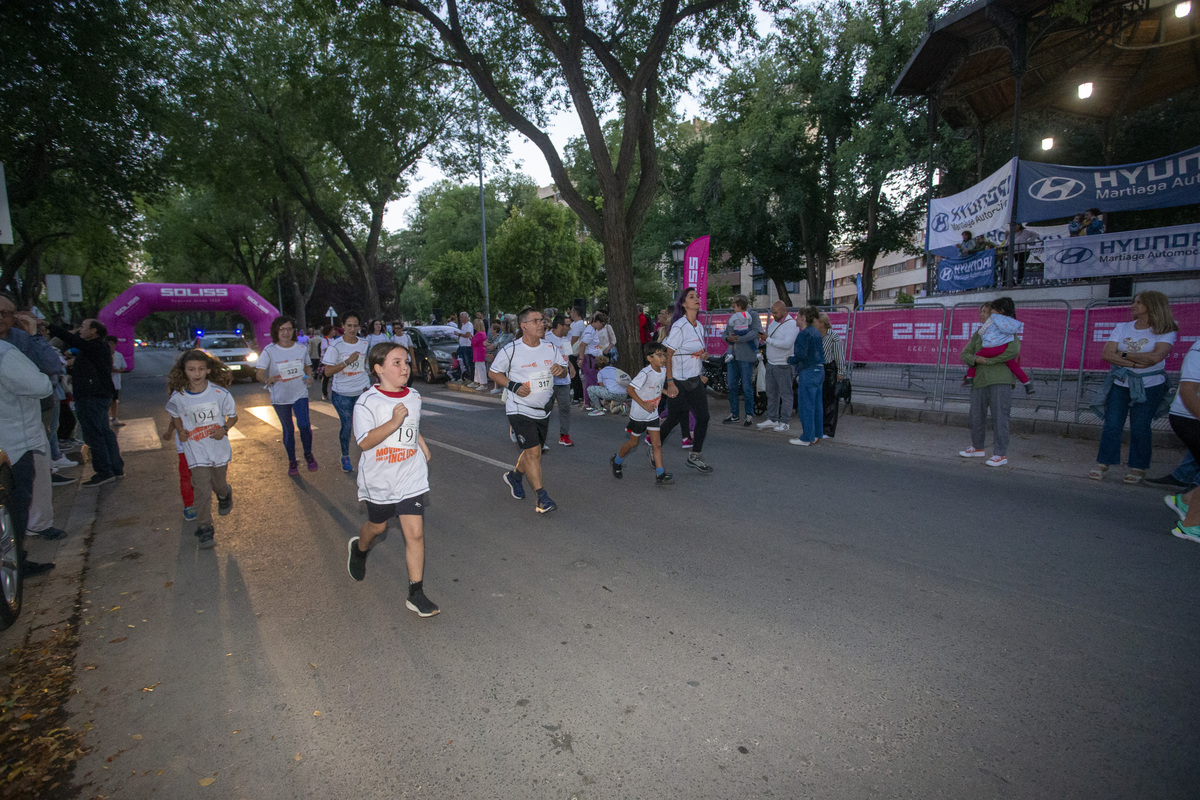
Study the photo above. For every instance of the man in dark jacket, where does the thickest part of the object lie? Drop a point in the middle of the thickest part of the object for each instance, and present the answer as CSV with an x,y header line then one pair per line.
x,y
91,379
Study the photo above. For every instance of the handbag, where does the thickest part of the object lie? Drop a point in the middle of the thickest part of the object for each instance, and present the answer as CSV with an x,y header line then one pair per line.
x,y
842,390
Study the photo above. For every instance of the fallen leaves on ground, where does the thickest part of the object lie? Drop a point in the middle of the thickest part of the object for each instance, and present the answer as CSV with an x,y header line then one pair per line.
x,y
207,781
38,747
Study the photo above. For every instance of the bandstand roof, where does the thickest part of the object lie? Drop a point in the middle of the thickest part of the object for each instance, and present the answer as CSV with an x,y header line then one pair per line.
x,y
1135,54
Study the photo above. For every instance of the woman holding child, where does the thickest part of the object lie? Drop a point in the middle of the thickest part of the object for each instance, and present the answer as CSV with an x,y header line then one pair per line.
x,y
992,379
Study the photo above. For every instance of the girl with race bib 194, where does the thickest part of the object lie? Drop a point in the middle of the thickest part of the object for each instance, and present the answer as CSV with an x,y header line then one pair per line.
x,y
202,412
283,366
393,470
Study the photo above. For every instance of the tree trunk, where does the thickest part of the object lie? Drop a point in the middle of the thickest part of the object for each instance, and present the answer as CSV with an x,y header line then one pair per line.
x,y
871,248
781,289
618,264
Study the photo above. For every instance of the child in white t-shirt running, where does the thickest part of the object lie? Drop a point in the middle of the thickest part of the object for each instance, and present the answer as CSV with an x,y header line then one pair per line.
x,y
393,470
645,392
202,412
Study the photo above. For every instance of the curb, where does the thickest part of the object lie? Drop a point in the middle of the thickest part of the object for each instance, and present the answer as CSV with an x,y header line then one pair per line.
x,y
1068,430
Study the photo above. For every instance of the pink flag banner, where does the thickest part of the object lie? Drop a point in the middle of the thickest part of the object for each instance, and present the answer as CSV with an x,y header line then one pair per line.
x,y
695,269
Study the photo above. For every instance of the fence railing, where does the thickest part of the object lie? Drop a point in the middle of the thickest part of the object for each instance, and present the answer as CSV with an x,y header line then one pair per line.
x,y
912,352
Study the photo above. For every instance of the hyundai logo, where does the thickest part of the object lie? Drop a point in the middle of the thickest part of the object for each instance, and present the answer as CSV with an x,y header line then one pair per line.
x,y
1074,255
941,223
946,274
1055,189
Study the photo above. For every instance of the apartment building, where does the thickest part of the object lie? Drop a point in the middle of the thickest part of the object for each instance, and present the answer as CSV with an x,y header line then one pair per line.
x,y
894,273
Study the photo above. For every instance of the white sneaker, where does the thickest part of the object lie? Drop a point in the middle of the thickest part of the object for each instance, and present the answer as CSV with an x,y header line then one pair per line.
x,y
782,427
770,423
997,461
971,452
799,442
62,462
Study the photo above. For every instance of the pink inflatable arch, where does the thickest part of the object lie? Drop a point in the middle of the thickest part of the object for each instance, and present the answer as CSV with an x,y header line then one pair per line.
x,y
131,307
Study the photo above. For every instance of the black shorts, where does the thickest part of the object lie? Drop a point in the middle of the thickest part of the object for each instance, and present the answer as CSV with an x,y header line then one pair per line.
x,y
636,427
411,507
116,395
530,432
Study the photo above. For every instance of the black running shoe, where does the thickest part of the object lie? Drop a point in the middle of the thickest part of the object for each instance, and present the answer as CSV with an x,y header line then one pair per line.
x,y
545,505
356,563
418,602
697,463
732,418
1167,481
98,480
663,480
616,468
206,535
225,504
60,480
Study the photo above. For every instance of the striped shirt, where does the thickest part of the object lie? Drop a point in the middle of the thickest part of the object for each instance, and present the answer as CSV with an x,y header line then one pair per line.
x,y
835,350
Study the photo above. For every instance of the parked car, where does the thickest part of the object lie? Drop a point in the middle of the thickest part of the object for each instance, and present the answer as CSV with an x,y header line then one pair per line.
x,y
233,349
441,342
10,560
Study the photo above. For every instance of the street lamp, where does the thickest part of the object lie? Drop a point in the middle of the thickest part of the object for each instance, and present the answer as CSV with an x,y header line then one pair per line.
x,y
1085,90
1048,143
678,249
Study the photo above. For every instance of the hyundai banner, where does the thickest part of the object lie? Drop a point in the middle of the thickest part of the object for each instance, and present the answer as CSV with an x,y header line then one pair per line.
x,y
1046,191
972,272
982,209
1126,253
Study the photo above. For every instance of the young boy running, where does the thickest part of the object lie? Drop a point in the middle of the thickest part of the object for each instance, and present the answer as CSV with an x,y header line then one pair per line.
x,y
645,390
393,470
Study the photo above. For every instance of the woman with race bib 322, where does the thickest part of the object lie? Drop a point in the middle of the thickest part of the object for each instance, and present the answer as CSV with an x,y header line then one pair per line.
x,y
283,367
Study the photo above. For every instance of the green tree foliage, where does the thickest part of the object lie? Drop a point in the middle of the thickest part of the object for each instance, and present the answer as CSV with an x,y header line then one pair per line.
x,y
80,102
456,280
628,59
538,259
338,104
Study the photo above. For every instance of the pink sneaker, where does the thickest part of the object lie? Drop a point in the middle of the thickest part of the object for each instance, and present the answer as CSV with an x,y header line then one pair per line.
x,y
565,441
687,444
293,469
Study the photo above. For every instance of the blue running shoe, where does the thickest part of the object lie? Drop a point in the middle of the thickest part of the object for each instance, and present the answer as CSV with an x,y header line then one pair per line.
x,y
1176,504
545,505
346,467
513,481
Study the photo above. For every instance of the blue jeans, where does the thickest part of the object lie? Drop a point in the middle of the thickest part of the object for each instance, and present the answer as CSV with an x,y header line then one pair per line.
x,y
92,413
1188,471
289,434
466,362
1140,416
808,396
740,374
344,403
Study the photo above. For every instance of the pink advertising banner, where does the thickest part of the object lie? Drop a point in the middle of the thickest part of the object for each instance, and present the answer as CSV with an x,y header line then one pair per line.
x,y
927,335
695,268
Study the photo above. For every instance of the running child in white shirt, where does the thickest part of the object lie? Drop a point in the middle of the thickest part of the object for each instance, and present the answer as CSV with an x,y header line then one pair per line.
x,y
202,412
393,471
645,390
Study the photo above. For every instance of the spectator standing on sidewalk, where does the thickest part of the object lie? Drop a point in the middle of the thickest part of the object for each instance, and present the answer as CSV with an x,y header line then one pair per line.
x,y
780,338
466,332
119,368
835,370
559,337
91,381
574,334
808,357
741,333
991,388
22,386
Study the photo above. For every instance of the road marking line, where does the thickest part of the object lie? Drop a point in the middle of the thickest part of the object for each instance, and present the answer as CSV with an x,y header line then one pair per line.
x,y
469,454
139,434
267,414
452,404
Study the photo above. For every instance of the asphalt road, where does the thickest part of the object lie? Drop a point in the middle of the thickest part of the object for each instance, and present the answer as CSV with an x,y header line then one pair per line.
x,y
825,622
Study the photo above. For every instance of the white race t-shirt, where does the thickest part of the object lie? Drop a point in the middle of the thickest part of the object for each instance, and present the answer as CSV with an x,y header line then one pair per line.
x,y
576,329
395,469
377,338
687,340
287,364
118,363
201,414
353,380
1131,340
530,366
648,385
591,341
404,340
563,343
1189,374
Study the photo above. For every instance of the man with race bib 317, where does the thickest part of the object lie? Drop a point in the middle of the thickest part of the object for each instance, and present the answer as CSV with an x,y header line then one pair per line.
x,y
527,367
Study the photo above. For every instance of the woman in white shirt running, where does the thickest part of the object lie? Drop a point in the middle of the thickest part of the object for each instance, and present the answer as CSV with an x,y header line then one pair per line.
x,y
283,366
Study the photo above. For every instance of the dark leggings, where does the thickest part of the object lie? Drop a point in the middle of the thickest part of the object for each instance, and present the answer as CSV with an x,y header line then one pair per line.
x,y
695,401
300,407
1188,431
